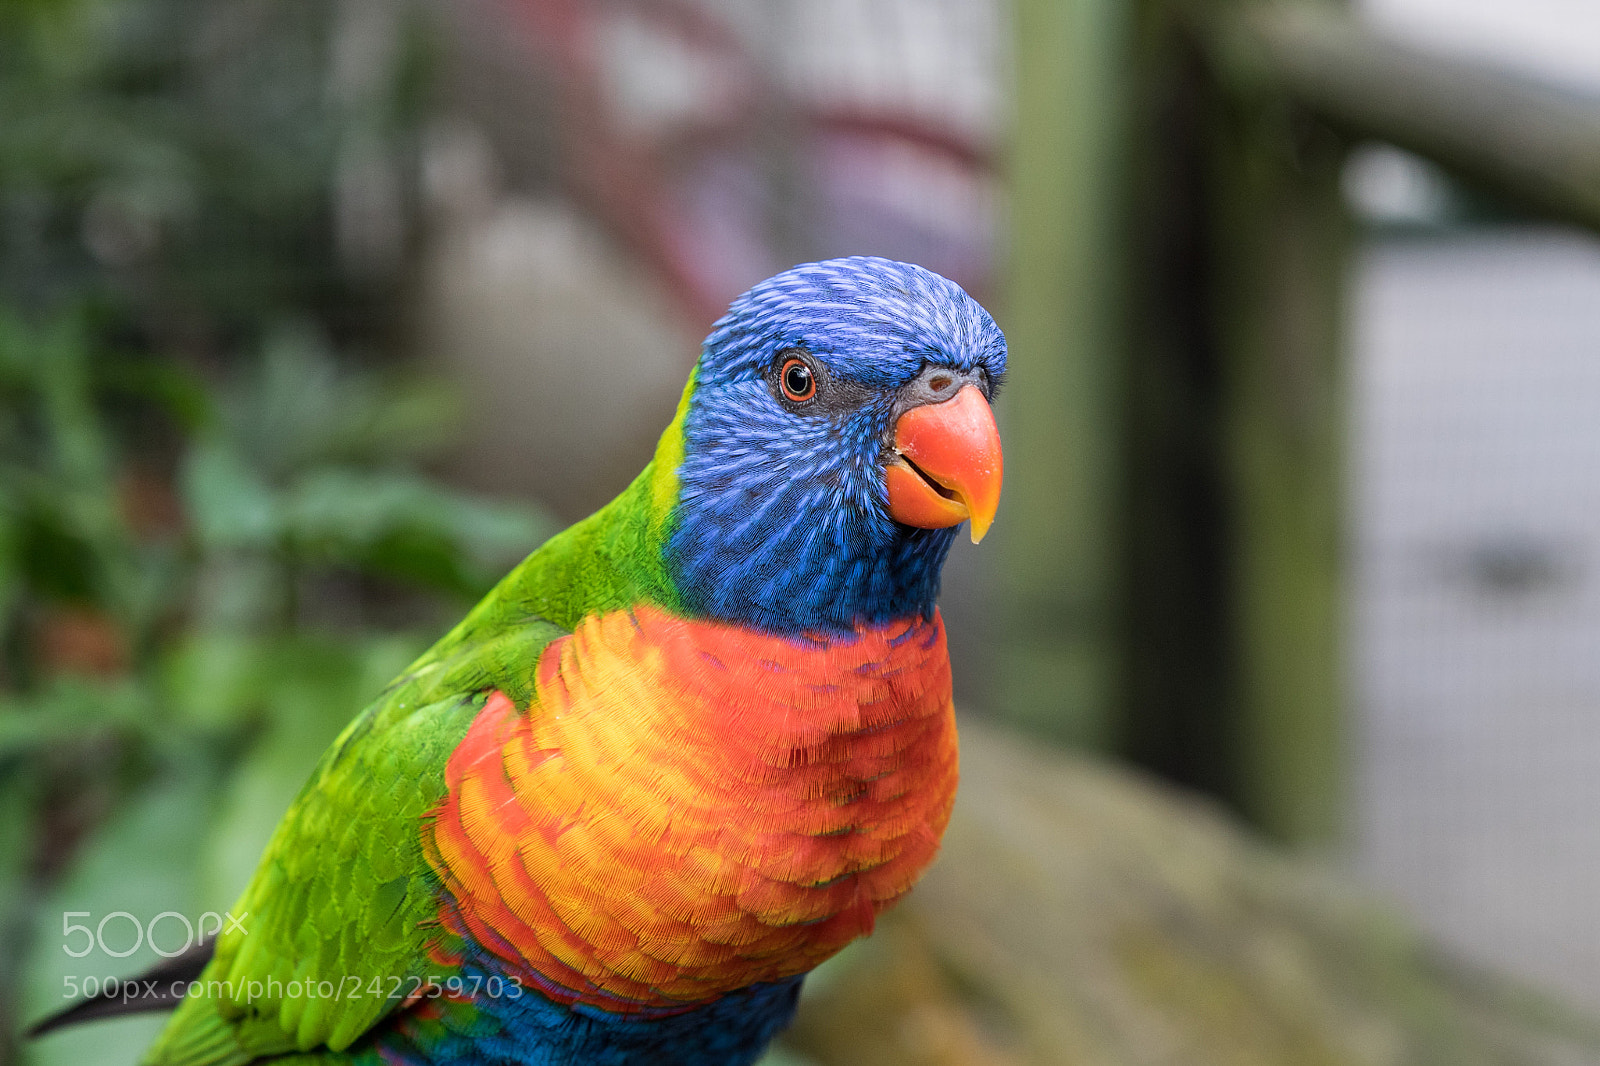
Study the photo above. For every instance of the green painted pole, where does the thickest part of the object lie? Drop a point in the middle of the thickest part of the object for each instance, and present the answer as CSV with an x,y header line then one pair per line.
x,y
1285,430
1171,561
1279,260
1235,436
1059,660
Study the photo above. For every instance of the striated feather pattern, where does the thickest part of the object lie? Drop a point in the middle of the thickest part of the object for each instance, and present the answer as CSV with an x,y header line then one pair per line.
x,y
691,808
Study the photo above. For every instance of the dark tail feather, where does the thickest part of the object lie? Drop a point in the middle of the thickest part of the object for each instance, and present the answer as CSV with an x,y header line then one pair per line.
x,y
150,991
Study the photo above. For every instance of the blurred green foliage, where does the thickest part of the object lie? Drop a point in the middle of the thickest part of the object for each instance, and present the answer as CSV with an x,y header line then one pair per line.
x,y
217,537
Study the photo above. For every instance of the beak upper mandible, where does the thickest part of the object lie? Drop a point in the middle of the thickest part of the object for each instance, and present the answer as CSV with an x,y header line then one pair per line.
x,y
947,465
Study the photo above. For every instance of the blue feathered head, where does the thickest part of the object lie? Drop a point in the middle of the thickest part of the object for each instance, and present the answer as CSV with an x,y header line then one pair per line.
x,y
814,493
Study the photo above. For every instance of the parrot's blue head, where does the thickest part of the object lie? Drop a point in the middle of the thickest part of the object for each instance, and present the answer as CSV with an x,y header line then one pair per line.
x,y
837,432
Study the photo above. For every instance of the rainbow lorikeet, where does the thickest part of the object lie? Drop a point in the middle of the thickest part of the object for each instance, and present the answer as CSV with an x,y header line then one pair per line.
x,y
683,753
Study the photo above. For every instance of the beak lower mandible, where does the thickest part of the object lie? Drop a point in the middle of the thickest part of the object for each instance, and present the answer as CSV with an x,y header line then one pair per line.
x,y
947,464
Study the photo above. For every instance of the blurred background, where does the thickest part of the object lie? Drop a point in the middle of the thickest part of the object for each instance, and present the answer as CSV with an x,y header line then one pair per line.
x,y
1279,679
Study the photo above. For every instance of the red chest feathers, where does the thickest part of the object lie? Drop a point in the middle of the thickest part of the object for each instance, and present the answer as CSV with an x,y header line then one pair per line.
x,y
690,808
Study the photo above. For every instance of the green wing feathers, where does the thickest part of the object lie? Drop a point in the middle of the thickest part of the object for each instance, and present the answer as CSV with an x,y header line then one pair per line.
x,y
343,897
344,892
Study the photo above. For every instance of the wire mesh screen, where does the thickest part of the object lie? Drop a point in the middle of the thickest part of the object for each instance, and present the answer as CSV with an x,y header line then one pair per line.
x,y
727,140
1476,494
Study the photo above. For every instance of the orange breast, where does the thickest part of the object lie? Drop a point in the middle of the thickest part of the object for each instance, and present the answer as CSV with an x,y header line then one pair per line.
x,y
690,808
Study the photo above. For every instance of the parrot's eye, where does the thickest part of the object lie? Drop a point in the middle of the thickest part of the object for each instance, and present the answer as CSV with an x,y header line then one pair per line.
x,y
798,382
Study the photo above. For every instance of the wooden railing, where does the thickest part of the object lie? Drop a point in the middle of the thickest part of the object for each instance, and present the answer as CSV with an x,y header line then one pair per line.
x,y
1530,142
1176,431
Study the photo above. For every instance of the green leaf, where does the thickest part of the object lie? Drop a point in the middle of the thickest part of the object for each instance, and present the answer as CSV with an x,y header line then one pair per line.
x,y
232,506
64,709
215,678
401,525
301,408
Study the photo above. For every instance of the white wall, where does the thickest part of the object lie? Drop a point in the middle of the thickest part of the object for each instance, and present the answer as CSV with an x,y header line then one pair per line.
x,y
1554,39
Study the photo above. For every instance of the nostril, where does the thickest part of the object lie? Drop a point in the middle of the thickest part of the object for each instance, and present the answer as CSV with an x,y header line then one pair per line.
x,y
940,382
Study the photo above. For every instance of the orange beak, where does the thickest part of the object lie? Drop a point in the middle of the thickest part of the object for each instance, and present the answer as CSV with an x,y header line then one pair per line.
x,y
947,465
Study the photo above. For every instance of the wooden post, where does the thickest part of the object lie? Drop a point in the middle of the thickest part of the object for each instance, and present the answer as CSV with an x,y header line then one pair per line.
x,y
1059,660
1280,269
1174,426
1235,432
1181,676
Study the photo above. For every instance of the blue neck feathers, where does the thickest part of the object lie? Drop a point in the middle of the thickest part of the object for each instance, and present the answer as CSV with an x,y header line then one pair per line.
x,y
772,529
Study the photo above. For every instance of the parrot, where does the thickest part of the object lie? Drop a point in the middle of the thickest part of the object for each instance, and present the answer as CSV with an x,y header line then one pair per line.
x,y
688,749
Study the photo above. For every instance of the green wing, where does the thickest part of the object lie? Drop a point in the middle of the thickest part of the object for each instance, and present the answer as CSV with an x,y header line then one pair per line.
x,y
343,894
343,891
